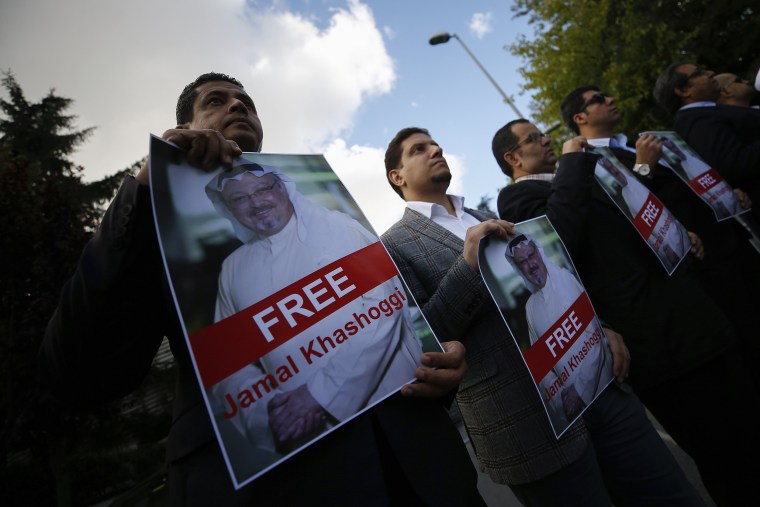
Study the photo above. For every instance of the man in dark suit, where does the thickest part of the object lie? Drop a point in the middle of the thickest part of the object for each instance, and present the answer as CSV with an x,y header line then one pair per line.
x,y
730,269
677,335
726,137
612,454
116,309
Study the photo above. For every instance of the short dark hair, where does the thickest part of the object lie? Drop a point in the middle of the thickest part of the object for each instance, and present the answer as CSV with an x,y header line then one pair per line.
x,y
573,104
189,93
394,151
502,142
665,87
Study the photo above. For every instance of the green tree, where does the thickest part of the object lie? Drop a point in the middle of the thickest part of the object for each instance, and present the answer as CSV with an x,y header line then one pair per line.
x,y
623,45
47,213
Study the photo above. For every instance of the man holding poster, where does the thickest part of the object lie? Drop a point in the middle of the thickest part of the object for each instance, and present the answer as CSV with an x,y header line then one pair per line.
x,y
612,454
285,238
116,310
680,340
730,268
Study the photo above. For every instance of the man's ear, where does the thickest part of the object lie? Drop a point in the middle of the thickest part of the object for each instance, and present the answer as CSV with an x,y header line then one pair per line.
x,y
682,92
580,119
395,177
511,158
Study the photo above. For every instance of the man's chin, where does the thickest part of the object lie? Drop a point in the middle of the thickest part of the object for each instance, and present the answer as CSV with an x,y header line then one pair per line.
x,y
245,138
441,178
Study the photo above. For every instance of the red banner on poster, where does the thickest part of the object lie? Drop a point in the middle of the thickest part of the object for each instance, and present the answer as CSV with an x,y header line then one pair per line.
x,y
230,344
543,355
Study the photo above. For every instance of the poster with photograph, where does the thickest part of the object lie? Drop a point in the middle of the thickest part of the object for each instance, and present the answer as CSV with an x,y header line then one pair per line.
x,y
549,314
701,178
295,316
665,235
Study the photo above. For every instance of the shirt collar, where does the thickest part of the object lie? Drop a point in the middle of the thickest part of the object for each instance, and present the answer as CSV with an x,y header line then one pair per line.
x,y
430,209
616,141
540,177
703,103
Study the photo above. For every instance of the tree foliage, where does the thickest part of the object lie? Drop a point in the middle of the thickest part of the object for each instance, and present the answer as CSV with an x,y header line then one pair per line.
x,y
47,213
623,45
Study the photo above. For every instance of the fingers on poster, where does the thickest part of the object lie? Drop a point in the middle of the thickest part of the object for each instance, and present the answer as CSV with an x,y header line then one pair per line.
x,y
295,315
549,315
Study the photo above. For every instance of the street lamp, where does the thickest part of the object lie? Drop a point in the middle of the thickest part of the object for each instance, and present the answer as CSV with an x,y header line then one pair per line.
x,y
444,37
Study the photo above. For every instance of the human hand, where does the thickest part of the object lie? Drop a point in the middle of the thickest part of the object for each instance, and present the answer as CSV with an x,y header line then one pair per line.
x,y
697,249
621,357
501,228
205,149
572,402
744,200
293,414
433,383
574,145
648,149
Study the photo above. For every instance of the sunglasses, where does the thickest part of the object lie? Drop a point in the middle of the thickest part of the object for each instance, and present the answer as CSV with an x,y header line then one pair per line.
x,y
597,98
533,137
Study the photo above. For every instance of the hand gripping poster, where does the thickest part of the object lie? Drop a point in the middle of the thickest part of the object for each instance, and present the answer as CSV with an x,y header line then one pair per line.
x,y
534,284
701,178
293,311
656,225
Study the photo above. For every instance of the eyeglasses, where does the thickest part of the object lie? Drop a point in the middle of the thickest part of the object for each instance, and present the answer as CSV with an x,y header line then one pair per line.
x,y
241,200
532,138
597,98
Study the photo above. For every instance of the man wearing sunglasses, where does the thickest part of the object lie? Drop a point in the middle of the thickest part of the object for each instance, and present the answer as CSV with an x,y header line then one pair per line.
x,y
730,269
680,365
726,137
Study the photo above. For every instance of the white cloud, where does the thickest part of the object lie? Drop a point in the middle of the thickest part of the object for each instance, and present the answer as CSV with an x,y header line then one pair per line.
x,y
480,24
124,65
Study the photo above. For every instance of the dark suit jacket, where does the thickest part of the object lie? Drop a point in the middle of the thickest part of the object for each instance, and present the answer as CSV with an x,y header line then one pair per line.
x,y
730,270
728,139
101,340
502,410
669,324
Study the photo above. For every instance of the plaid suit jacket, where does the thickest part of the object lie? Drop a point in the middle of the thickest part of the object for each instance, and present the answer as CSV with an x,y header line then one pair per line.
x,y
500,405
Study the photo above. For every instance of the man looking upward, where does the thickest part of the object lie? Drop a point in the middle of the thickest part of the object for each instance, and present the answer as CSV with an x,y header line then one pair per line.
x,y
116,309
612,453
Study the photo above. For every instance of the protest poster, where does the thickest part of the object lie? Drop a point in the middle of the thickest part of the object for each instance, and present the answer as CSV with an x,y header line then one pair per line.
x,y
534,284
293,311
657,226
699,176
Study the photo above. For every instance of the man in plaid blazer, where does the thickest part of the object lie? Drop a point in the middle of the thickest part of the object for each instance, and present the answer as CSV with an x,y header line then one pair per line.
x,y
435,247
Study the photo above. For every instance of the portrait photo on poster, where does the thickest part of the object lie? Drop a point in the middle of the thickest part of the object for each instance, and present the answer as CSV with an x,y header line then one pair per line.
x,y
656,225
705,181
294,313
536,288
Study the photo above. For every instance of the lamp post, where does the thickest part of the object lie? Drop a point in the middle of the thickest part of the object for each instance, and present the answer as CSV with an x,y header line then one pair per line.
x,y
444,37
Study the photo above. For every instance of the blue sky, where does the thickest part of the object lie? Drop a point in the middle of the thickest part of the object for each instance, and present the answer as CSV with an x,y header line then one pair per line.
x,y
338,77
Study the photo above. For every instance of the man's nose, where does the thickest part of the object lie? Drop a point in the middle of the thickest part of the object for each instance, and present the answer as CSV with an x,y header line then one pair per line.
x,y
238,105
437,151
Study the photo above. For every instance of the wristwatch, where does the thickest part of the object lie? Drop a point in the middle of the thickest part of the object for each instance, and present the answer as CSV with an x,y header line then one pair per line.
x,y
642,169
